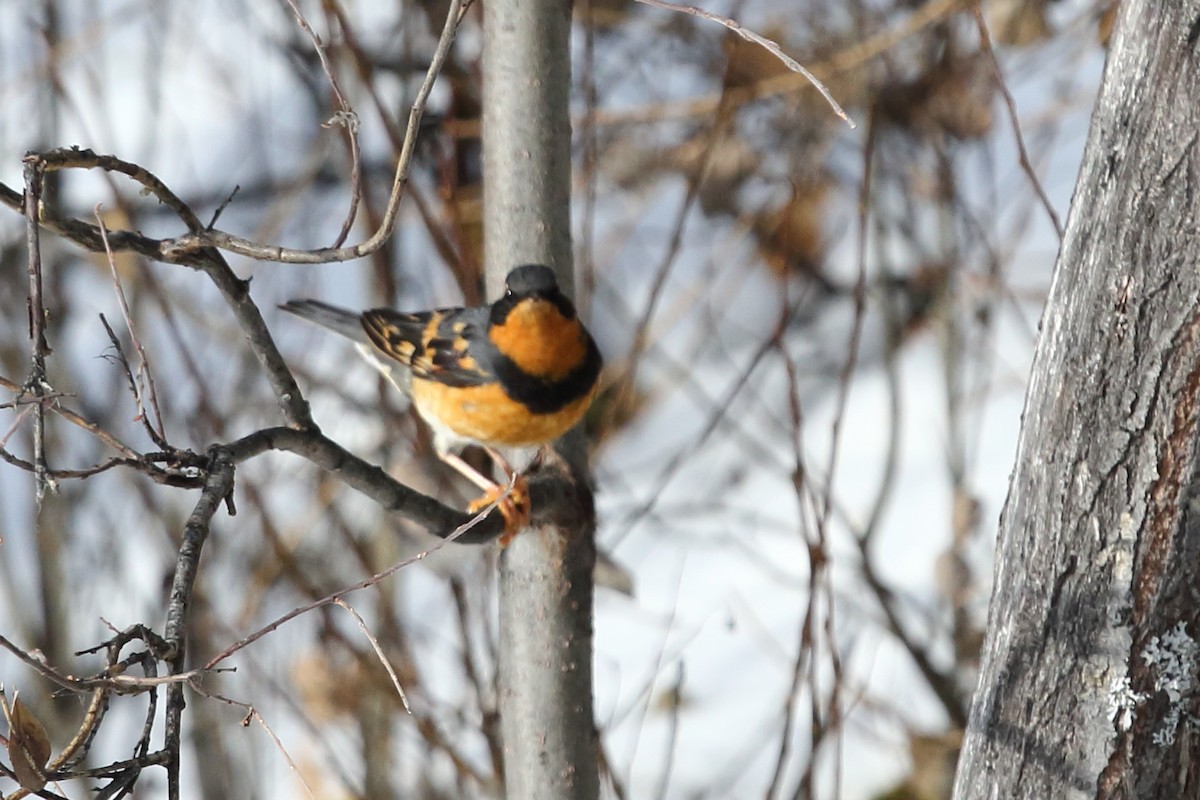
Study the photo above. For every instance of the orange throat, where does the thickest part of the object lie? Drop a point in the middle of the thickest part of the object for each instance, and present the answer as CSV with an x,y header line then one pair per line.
x,y
540,340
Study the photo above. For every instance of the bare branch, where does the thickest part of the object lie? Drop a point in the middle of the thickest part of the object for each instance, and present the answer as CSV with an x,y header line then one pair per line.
x,y
195,241
985,41
253,714
39,349
156,433
336,597
772,47
383,659
218,488
345,117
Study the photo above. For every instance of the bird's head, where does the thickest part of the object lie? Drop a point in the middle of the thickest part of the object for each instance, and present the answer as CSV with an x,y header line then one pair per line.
x,y
528,287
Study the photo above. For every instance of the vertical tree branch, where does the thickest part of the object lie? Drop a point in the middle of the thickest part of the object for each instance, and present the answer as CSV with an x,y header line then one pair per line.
x,y
49,516
217,489
545,661
34,172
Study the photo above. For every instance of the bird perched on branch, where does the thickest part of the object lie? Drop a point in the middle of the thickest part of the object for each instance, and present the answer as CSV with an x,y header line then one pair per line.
x,y
513,375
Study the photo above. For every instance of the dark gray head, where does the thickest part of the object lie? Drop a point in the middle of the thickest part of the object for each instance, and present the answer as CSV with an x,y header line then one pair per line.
x,y
531,279
530,283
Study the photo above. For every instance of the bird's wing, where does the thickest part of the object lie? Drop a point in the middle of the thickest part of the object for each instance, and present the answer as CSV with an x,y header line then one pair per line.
x,y
438,345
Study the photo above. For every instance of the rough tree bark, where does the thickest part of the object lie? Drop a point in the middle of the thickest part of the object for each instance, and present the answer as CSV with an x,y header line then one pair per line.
x,y
1089,675
545,669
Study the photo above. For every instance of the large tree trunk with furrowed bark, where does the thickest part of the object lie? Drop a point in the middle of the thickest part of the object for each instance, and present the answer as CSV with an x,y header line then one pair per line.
x,y
1089,678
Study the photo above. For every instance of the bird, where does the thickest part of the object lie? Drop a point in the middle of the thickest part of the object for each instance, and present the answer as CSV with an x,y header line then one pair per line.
x,y
514,375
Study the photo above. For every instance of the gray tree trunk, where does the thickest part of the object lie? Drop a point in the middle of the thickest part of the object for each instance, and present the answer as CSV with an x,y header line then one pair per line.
x,y
545,669
1089,676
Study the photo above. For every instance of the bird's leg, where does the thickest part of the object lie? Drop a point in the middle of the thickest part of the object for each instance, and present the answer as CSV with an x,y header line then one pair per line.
x,y
508,468
518,513
512,500
467,471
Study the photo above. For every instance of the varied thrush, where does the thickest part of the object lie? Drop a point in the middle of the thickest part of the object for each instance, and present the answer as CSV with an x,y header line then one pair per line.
x,y
516,374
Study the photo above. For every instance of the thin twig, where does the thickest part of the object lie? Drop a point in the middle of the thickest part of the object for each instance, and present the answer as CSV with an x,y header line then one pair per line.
x,y
220,209
115,769
861,52
144,366
142,417
721,410
985,40
252,714
941,683
234,290
22,401
75,419
770,46
383,659
340,593
860,311
805,644
236,244
159,476
16,423
39,665
641,329
344,117
110,680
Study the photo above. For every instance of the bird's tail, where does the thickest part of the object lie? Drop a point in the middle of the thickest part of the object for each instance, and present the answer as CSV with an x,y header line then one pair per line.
x,y
340,320
349,324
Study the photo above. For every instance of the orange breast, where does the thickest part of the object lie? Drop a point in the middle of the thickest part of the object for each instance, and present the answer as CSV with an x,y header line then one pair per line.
x,y
485,414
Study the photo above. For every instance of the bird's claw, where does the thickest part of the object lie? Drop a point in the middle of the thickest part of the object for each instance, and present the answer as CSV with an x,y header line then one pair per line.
x,y
513,504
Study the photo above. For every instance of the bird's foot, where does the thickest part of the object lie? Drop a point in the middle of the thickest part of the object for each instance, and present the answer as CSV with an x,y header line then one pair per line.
x,y
513,503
